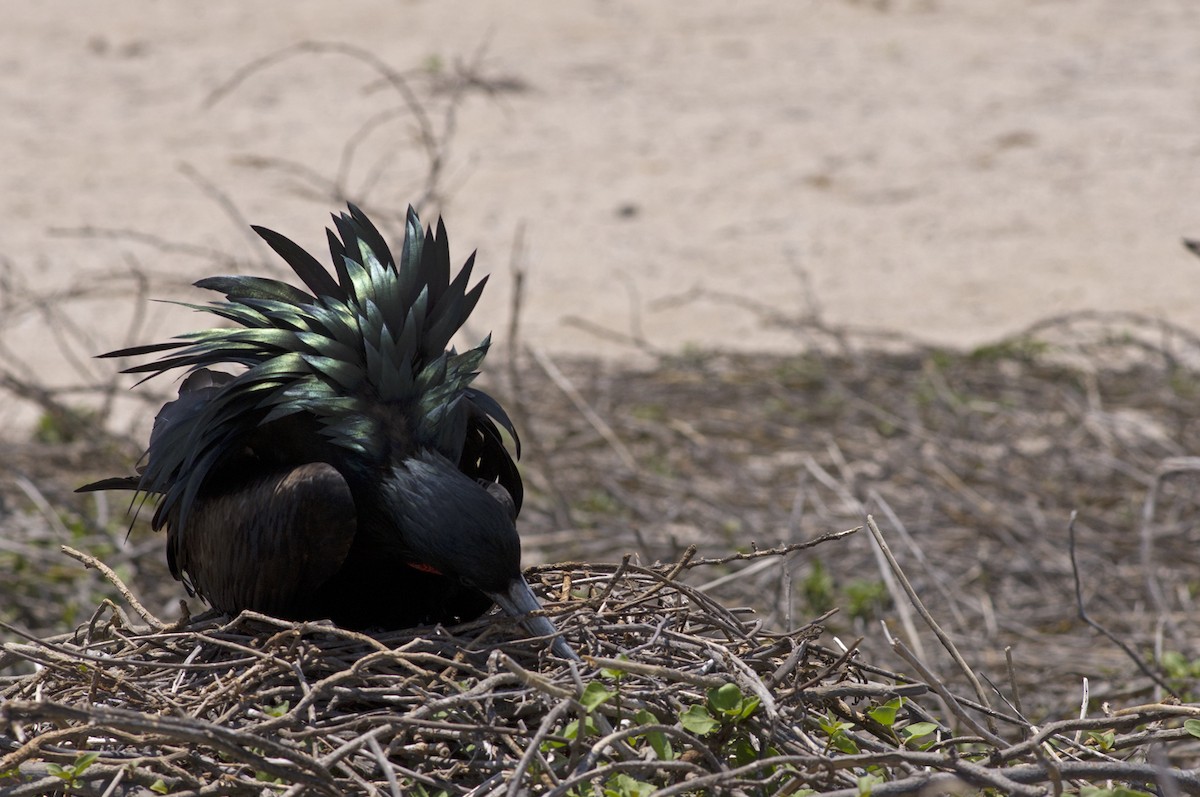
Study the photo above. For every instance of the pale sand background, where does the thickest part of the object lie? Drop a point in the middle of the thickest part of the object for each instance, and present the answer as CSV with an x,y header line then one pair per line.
x,y
952,170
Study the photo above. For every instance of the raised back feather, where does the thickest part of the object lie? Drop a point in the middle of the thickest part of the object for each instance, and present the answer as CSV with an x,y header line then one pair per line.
x,y
362,358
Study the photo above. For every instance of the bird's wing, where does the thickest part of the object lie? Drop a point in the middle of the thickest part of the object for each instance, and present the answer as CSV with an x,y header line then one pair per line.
x,y
267,542
484,455
172,427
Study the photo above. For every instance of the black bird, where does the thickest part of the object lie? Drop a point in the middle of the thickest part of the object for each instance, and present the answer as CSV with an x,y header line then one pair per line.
x,y
350,471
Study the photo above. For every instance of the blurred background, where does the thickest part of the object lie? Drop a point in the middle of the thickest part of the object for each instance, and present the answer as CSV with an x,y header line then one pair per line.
x,y
670,181
950,171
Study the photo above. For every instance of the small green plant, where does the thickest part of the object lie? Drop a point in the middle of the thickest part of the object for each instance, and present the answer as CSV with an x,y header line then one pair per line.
x,y
861,598
1105,740
866,783
837,736
885,713
723,716
658,741
278,710
697,719
594,695
1182,673
864,598
71,772
912,734
730,704
725,706
622,785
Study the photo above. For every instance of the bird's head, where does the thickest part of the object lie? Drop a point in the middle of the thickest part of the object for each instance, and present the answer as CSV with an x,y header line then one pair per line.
x,y
450,524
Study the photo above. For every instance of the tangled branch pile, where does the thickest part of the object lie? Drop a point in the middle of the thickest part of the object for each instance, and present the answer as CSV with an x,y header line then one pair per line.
x,y
677,694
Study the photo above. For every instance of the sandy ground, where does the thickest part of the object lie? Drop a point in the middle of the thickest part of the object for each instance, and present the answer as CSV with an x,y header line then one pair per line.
x,y
955,171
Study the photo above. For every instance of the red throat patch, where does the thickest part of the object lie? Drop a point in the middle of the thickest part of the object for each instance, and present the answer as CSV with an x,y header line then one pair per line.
x,y
424,568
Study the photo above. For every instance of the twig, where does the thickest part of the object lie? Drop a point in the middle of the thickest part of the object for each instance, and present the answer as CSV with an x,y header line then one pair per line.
x,y
1083,615
585,409
934,683
950,647
127,595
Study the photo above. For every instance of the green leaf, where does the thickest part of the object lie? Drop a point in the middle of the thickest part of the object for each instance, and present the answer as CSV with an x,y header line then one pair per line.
x,y
697,720
594,694
57,771
84,761
844,743
159,787
278,710
644,717
658,740
616,675
918,729
1192,727
661,746
831,725
572,729
622,785
743,751
886,714
726,699
866,783
749,706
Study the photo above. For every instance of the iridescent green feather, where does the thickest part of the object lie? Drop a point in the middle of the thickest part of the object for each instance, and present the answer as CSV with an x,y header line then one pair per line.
x,y
374,337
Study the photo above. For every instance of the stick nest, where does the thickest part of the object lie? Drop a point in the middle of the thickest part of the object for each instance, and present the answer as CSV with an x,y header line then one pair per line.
x,y
676,694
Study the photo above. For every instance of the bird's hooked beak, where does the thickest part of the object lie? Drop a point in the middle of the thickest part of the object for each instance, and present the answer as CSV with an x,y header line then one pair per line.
x,y
518,600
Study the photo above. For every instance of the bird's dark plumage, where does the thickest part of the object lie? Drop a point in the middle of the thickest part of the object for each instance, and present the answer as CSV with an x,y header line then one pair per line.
x,y
350,470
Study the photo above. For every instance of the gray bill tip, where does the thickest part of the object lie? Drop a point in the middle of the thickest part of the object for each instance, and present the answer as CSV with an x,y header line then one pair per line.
x,y
519,601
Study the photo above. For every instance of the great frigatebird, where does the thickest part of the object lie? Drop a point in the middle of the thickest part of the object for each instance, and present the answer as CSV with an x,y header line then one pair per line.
x,y
348,469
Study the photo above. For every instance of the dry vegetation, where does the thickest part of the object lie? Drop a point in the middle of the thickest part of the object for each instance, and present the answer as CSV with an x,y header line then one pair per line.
x,y
972,464
975,639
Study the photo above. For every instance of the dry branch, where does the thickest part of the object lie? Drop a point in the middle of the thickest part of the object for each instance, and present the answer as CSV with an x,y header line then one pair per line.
x,y
319,710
